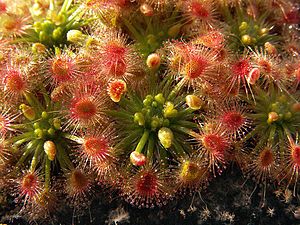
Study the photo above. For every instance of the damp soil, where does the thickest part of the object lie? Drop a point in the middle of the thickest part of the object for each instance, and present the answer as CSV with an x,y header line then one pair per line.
x,y
228,199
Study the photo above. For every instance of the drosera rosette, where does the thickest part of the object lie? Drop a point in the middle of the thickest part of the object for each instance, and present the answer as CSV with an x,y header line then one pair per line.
x,y
195,65
44,136
191,174
292,72
96,153
153,130
232,117
275,117
64,66
15,19
79,188
248,27
108,11
157,124
142,25
291,164
275,122
268,67
17,74
147,186
262,167
114,57
199,14
46,26
212,144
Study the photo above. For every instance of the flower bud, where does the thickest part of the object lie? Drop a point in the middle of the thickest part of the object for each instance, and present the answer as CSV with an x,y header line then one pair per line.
x,y
38,48
146,9
194,102
50,149
153,61
296,107
165,136
57,33
190,172
243,26
28,111
270,48
160,98
139,119
75,36
116,89
137,159
263,31
272,117
169,110
246,39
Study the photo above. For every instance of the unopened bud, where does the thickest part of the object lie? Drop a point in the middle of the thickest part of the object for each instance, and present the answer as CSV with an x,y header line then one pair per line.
x,y
116,89
190,172
39,133
169,110
139,119
50,149
146,9
194,102
165,136
296,107
272,117
137,159
246,39
243,26
28,111
270,48
38,48
57,33
263,31
57,123
153,61
75,36
160,98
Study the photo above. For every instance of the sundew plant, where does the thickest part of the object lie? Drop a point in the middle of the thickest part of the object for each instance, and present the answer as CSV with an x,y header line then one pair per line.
x,y
149,98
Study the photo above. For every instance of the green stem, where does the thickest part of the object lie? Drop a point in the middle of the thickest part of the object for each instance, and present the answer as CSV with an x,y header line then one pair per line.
x,y
72,137
35,157
63,158
181,129
27,150
20,126
150,147
176,89
187,124
78,13
271,135
47,174
33,101
20,142
142,141
66,5
288,133
133,30
178,148
185,112
118,114
29,134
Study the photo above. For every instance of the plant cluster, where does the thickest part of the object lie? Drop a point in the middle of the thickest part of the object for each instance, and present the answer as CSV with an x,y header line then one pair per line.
x,y
151,98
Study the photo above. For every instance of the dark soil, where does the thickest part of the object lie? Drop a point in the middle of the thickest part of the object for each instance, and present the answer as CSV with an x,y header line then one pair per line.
x,y
225,201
